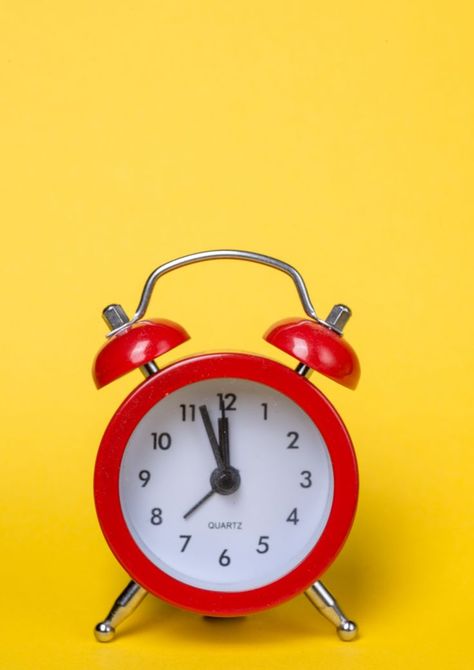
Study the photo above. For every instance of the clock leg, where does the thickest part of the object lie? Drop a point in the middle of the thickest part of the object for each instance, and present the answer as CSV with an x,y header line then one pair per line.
x,y
329,608
125,604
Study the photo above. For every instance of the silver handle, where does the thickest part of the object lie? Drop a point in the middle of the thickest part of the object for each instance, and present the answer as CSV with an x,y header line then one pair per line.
x,y
216,255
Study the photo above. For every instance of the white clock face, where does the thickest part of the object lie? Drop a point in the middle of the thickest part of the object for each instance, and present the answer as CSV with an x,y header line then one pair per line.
x,y
226,484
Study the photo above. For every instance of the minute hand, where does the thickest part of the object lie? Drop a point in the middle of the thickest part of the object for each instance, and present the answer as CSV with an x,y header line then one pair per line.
x,y
212,437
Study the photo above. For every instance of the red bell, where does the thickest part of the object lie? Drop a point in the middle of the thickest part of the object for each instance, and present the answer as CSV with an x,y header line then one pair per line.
x,y
132,348
317,346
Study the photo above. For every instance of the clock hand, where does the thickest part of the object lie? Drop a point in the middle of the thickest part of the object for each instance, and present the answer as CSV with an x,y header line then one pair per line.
x,y
223,425
224,479
223,482
198,504
212,437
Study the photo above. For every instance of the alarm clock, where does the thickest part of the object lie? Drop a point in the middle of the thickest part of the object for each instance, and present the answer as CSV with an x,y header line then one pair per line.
x,y
226,483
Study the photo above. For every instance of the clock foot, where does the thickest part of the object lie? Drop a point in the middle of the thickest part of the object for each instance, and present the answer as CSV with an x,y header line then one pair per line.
x,y
125,604
329,608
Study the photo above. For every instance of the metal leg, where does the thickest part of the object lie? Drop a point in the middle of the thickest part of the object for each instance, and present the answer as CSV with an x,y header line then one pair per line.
x,y
327,605
125,604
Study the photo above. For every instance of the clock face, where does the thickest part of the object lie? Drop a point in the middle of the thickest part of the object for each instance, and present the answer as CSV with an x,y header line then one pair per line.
x,y
226,484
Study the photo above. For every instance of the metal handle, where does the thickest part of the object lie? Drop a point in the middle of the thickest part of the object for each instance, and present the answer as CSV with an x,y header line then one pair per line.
x,y
213,255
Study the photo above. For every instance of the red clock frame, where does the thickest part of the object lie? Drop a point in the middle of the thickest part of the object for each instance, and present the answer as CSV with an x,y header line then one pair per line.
x,y
212,366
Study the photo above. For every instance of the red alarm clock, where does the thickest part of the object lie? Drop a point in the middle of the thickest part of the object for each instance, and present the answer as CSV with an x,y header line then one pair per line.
x,y
226,483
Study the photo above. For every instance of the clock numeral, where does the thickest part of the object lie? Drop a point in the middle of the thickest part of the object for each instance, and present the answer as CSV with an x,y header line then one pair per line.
x,y
163,441
227,401
263,546
307,481
186,539
144,476
224,559
156,516
265,410
294,437
188,412
293,516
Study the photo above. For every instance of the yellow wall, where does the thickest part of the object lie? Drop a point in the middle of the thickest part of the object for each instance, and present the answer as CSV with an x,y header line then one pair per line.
x,y
337,136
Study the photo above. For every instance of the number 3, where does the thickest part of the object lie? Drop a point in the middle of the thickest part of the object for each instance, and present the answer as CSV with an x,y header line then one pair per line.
x,y
307,481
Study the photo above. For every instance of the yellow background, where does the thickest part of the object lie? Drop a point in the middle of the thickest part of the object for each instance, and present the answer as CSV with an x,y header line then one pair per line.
x,y
336,136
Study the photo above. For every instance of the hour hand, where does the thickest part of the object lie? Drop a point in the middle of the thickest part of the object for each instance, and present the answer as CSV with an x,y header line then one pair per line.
x,y
223,426
212,437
